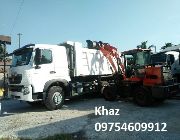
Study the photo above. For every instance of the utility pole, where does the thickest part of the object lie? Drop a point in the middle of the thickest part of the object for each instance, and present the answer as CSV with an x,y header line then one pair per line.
x,y
19,34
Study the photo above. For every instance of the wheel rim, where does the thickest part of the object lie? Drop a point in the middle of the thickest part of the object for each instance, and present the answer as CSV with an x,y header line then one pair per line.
x,y
57,98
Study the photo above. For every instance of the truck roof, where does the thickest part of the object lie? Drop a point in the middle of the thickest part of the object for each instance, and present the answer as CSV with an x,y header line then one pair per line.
x,y
26,46
173,48
130,52
34,45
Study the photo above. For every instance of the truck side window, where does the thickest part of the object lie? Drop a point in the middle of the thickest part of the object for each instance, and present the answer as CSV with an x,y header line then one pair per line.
x,y
46,56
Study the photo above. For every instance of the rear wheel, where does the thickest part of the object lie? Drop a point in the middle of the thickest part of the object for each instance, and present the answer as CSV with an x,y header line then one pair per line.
x,y
142,96
55,98
109,93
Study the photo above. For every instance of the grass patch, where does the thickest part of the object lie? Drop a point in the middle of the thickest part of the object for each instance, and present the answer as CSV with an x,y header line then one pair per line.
x,y
14,139
58,137
72,136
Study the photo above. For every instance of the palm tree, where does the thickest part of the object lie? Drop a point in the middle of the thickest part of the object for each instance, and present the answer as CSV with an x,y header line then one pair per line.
x,y
143,45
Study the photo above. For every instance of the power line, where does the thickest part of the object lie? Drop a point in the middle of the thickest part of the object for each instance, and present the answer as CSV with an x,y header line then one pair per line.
x,y
15,21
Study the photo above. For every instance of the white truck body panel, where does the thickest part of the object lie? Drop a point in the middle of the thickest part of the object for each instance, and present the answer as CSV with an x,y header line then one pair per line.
x,y
91,62
175,67
174,50
59,66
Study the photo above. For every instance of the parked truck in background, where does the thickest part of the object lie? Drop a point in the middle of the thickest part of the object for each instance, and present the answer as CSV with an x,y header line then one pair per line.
x,y
51,73
169,56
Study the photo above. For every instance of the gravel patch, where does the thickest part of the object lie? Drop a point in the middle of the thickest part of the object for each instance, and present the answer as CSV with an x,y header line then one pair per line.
x,y
77,116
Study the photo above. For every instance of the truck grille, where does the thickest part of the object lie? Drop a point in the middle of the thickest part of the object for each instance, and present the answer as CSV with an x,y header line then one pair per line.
x,y
168,79
15,88
15,79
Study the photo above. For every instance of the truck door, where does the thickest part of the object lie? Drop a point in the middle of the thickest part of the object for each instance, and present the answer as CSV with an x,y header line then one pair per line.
x,y
43,70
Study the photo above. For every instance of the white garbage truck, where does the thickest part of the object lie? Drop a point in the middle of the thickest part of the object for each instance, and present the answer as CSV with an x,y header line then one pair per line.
x,y
51,73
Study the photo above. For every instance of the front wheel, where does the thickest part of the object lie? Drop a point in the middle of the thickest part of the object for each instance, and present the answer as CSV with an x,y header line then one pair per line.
x,y
55,98
109,93
142,96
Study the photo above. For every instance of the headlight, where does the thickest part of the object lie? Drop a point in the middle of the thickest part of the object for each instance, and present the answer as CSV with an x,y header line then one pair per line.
x,y
25,90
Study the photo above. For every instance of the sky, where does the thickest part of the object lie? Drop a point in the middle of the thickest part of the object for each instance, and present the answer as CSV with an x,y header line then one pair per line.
x,y
121,23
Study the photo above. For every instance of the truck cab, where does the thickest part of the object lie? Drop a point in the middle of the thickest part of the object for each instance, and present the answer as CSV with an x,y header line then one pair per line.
x,y
34,65
148,82
169,56
135,61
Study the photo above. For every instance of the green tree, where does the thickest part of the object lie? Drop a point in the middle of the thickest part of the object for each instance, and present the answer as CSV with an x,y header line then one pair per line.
x,y
2,52
143,45
166,45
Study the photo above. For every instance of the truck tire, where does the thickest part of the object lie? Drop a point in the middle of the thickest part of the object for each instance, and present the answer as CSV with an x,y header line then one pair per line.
x,y
109,93
55,98
142,96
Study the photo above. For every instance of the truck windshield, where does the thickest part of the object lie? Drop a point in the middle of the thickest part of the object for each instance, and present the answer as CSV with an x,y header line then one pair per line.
x,y
22,57
158,58
142,58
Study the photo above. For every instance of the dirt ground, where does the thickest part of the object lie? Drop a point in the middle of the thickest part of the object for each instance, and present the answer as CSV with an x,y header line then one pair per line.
x,y
20,120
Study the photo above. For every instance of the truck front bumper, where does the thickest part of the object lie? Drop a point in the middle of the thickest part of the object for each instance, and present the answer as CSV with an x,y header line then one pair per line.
x,y
160,92
20,92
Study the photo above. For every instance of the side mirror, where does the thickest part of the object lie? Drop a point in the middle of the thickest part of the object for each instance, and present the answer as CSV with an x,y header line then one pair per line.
x,y
38,56
172,59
